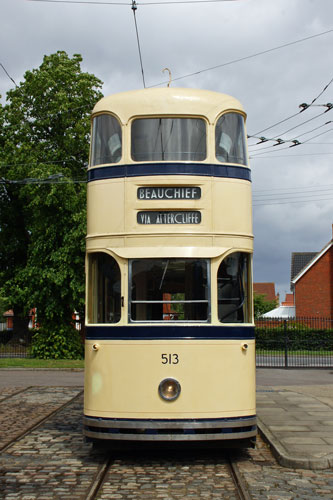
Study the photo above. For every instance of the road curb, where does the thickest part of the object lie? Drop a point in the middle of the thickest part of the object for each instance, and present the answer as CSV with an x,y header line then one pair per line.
x,y
289,461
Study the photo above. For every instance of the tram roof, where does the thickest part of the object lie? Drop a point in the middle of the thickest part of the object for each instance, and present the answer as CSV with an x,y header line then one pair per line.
x,y
168,101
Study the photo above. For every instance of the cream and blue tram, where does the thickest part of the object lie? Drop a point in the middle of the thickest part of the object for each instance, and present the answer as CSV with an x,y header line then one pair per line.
x,y
170,350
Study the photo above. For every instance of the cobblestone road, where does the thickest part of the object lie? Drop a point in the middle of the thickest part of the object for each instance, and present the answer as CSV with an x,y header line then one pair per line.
x,y
52,461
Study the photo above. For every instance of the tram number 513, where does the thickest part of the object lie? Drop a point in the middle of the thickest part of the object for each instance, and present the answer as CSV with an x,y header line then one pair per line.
x,y
170,359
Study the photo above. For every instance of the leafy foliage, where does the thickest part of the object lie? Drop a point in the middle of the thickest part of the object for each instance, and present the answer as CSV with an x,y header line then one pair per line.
x,y
62,343
261,305
43,158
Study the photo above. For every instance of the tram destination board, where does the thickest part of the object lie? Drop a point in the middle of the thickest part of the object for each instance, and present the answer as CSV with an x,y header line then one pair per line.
x,y
169,217
169,193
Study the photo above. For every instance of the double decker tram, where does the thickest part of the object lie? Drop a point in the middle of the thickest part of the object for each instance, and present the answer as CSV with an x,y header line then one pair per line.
x,y
170,351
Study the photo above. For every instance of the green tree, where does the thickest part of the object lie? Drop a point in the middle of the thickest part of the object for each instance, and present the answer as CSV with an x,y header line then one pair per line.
x,y
262,305
43,160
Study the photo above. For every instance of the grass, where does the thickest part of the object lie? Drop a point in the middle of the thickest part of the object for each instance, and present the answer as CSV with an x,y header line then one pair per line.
x,y
41,363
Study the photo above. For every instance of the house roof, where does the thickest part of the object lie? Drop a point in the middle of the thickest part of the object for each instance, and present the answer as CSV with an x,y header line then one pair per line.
x,y
267,289
311,262
299,260
280,312
289,300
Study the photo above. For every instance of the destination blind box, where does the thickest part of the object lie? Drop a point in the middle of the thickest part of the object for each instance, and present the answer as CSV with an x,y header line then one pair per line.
x,y
169,193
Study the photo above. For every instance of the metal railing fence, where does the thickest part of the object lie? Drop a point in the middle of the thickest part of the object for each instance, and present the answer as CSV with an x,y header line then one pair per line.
x,y
280,343
294,343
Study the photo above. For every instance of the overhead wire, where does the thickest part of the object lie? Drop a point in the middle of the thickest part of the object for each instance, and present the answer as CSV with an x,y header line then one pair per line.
x,y
134,9
12,79
246,58
51,179
298,144
280,196
302,107
256,204
265,139
167,2
295,140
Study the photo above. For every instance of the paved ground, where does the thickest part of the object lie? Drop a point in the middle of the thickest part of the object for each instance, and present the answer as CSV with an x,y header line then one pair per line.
x,y
11,377
297,421
295,412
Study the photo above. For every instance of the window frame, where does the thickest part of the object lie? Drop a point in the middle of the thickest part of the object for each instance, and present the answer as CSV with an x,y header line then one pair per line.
x,y
244,142
93,299
246,279
93,140
207,301
170,117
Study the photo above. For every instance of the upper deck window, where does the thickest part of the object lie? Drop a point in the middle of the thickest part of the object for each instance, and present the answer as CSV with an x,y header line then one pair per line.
x,y
230,139
168,139
106,140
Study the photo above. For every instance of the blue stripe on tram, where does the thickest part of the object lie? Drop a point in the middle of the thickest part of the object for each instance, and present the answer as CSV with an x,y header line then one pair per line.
x,y
154,332
150,169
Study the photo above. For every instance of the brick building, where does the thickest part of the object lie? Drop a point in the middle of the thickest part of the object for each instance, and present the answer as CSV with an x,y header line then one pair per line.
x,y
267,290
312,282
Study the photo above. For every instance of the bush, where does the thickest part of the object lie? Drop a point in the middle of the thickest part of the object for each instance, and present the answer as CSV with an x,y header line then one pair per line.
x,y
65,343
303,338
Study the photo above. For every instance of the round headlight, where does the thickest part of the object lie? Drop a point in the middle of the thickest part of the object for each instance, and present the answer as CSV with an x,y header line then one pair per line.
x,y
169,389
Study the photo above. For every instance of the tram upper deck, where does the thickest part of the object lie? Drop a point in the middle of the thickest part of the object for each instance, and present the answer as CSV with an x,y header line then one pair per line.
x,y
169,161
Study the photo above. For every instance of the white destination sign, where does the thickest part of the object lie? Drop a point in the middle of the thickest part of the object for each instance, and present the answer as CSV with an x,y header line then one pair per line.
x,y
169,217
169,193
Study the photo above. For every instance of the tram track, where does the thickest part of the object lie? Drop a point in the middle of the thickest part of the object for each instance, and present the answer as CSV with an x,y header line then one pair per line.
x,y
18,421
13,392
109,480
239,482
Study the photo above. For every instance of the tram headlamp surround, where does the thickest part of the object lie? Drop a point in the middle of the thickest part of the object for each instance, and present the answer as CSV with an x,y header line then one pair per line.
x,y
169,389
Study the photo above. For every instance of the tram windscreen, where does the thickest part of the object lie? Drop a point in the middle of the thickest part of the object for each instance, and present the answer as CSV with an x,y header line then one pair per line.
x,y
230,139
232,285
169,290
168,139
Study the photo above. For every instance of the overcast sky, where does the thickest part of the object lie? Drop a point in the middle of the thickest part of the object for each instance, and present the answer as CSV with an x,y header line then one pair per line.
x,y
292,187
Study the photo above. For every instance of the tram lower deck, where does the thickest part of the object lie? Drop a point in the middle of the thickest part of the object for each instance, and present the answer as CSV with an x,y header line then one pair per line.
x,y
170,390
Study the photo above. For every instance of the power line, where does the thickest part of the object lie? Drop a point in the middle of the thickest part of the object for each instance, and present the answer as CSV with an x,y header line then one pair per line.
x,y
256,157
134,8
282,141
191,2
326,186
303,107
246,58
12,79
282,196
297,143
294,201
139,3
51,179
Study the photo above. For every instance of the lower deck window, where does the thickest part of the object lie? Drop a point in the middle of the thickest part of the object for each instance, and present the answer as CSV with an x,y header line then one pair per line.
x,y
232,283
104,298
169,290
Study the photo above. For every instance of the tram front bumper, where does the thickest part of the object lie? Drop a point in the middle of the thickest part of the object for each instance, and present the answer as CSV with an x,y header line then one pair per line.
x,y
96,428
